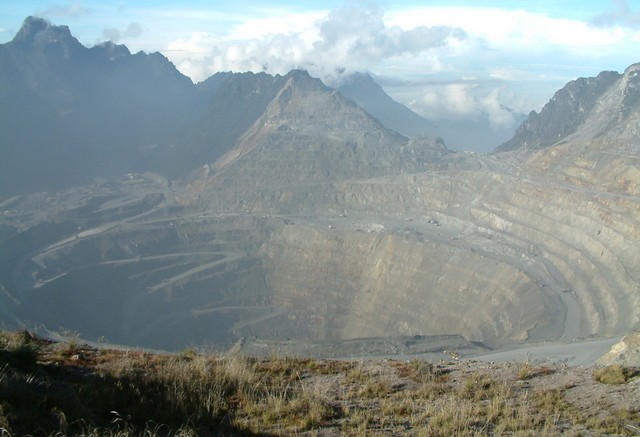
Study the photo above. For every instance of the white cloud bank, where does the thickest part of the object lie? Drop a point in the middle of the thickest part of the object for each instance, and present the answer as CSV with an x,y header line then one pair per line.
x,y
465,100
455,61
352,38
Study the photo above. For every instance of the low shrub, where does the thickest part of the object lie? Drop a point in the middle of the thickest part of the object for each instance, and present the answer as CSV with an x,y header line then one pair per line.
x,y
615,374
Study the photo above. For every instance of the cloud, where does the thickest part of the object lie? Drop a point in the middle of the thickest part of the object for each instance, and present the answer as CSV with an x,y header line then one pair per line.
x,y
508,73
452,61
499,116
133,30
620,16
352,38
500,29
73,10
465,100
357,38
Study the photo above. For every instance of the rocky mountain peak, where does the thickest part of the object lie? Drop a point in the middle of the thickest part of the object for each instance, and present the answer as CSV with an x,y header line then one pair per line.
x,y
567,110
304,81
631,85
38,31
633,69
59,96
302,75
112,51
369,95
361,80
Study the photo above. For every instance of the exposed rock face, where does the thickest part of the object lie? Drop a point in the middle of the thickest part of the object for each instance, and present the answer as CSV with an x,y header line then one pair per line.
x,y
564,114
368,284
308,119
493,256
309,133
235,102
320,224
624,353
555,230
38,32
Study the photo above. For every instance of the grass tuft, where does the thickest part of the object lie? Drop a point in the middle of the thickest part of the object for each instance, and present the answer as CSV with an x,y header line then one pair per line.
x,y
46,391
615,374
19,348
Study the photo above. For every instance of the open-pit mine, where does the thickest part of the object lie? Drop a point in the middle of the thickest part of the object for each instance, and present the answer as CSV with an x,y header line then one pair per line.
x,y
317,226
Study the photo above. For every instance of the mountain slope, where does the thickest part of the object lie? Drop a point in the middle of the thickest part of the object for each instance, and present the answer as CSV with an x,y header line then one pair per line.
x,y
362,89
564,114
594,143
309,133
477,133
235,102
74,113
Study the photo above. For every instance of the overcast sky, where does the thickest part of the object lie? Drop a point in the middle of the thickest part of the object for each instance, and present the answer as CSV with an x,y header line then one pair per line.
x,y
443,58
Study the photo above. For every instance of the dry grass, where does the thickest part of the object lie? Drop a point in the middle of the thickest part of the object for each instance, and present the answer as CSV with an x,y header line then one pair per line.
x,y
615,374
45,390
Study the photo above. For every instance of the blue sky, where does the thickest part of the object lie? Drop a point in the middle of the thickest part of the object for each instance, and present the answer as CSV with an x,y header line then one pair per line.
x,y
441,58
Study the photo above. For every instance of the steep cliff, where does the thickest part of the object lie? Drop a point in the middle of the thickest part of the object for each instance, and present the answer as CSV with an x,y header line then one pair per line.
x,y
566,112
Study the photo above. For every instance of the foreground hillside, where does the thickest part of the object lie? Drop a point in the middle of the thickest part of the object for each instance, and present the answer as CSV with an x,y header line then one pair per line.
x,y
49,388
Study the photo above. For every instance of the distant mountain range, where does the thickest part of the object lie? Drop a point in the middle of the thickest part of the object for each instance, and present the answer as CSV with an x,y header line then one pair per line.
x,y
70,114
366,93
475,134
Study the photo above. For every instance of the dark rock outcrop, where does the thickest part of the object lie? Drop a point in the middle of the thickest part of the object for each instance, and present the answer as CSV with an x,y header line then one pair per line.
x,y
567,110
69,113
